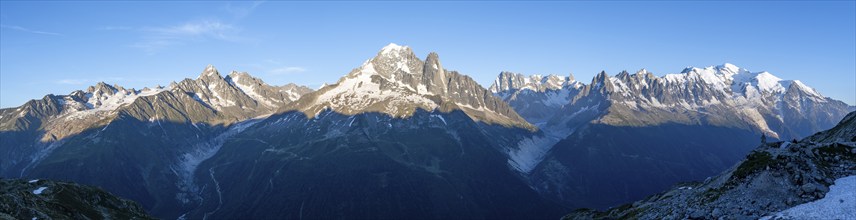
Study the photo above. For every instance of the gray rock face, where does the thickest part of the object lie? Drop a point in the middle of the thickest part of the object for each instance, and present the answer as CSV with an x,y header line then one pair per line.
x,y
808,188
752,189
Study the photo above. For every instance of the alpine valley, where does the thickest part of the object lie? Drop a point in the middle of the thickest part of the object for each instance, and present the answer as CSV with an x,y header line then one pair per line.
x,y
400,137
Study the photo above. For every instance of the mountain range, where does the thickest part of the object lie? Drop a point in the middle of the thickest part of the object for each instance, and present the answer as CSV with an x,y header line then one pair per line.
x,y
399,137
620,138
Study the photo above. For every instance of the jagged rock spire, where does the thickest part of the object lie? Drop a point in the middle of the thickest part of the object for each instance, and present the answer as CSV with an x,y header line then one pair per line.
x,y
434,75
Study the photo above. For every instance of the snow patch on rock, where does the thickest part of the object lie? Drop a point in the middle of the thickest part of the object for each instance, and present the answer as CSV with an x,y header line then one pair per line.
x,y
359,91
39,190
530,152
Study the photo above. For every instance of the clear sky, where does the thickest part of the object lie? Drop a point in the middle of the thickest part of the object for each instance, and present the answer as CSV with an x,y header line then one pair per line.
x,y
59,46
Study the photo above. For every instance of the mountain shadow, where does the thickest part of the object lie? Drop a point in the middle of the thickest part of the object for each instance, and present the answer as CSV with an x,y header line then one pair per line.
x,y
601,166
431,165
370,165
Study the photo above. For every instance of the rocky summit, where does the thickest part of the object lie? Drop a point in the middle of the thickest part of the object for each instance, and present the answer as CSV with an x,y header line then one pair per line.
x,y
396,82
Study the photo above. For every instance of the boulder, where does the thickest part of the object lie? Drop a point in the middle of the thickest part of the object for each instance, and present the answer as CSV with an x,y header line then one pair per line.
x,y
697,214
716,212
808,188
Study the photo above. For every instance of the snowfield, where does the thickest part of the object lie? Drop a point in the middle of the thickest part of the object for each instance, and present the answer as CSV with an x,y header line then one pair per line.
x,y
838,203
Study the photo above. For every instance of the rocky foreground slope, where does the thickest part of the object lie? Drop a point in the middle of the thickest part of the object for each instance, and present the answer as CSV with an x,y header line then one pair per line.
x,y
774,177
45,199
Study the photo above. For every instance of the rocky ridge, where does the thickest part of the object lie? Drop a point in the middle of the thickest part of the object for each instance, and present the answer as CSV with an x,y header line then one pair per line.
x,y
536,98
34,130
210,99
772,178
724,95
45,199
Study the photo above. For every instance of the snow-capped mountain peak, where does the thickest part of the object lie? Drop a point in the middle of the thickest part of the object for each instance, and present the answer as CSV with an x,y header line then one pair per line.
x,y
103,97
730,68
250,86
510,82
238,92
766,81
210,98
393,48
802,87
733,79
101,88
396,82
379,79
392,62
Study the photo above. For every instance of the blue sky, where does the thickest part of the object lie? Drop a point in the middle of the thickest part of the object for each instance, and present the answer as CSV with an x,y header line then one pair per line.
x,y
58,47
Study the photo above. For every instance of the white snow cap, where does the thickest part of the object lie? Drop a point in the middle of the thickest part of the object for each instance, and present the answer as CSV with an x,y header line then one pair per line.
x,y
392,47
768,82
739,77
730,67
